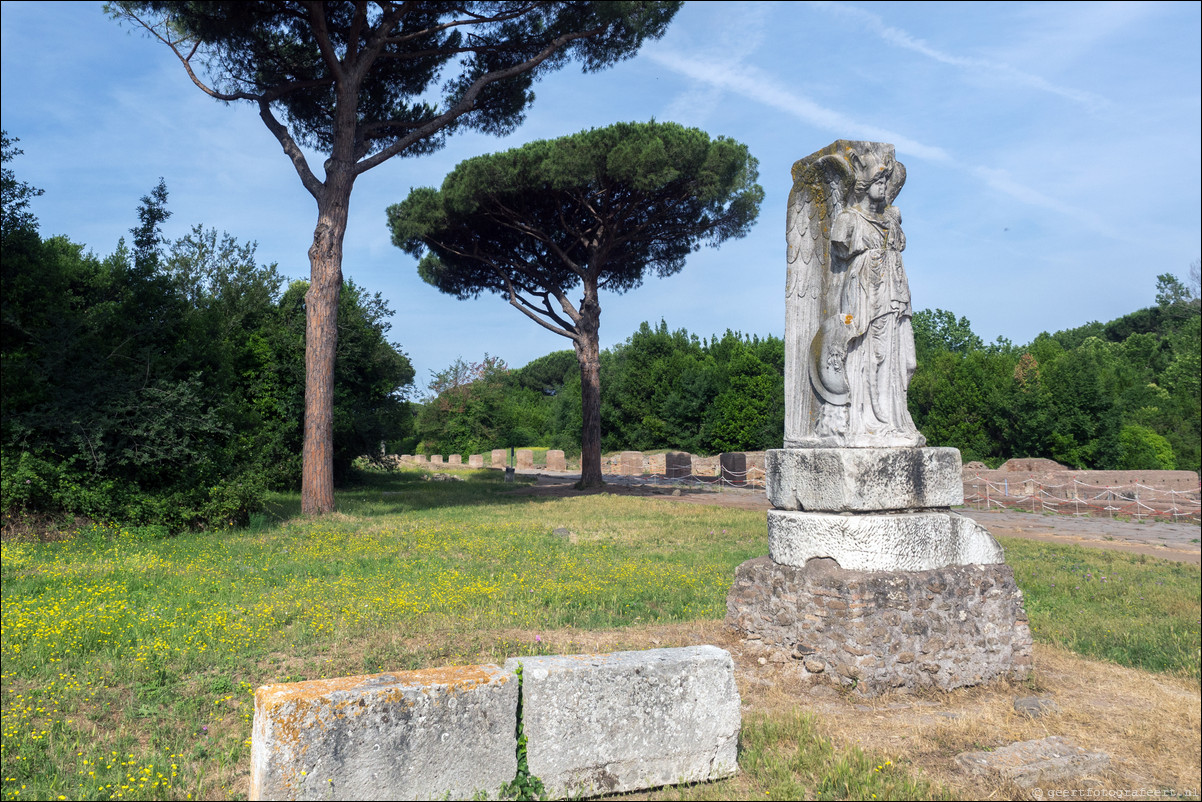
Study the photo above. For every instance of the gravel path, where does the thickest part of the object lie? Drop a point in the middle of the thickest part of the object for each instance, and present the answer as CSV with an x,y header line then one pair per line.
x,y
1181,542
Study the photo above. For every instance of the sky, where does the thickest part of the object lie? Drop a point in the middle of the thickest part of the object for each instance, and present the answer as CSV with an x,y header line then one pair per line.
x,y
1052,154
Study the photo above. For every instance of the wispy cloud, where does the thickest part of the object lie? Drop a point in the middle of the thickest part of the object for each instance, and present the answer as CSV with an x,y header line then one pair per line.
x,y
755,84
987,67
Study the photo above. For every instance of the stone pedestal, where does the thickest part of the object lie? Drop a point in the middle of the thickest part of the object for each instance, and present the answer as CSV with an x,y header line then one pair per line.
x,y
880,630
872,581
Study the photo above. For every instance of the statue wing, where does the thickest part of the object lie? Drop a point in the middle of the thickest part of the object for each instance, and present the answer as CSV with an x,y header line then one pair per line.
x,y
803,237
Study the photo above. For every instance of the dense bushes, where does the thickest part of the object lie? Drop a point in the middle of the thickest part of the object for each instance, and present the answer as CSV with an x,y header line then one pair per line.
x,y
165,384
1124,395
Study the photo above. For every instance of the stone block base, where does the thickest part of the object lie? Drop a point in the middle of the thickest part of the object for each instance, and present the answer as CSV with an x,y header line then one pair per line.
x,y
943,628
442,733
902,541
864,479
627,721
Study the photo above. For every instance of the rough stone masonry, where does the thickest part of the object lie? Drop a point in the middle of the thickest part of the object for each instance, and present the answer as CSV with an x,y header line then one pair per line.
x,y
871,580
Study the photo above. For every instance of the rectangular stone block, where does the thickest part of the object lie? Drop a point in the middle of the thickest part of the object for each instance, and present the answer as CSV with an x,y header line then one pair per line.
x,y
657,464
630,463
436,459
525,459
705,466
678,464
421,459
455,459
734,467
442,733
556,460
498,458
475,461
904,541
612,723
863,479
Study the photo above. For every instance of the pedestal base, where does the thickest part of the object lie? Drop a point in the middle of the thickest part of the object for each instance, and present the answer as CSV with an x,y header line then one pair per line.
x,y
874,631
900,541
863,479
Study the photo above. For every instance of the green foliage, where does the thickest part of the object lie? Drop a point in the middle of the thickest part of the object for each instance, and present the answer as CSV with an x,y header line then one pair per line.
x,y
1122,395
166,384
14,195
524,785
1141,449
613,202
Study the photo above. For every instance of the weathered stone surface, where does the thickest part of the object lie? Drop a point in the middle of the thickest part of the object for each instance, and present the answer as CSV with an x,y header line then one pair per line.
x,y
475,461
630,463
944,628
864,479
556,460
678,464
455,459
911,541
849,344
657,464
421,459
705,466
498,458
436,459
610,723
734,467
1035,706
524,458
1033,763
433,734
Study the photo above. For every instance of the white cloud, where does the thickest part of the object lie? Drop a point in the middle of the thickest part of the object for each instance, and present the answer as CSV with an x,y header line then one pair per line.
x,y
991,68
753,83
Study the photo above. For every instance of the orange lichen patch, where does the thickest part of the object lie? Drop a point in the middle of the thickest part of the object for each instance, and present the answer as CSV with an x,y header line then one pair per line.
x,y
457,678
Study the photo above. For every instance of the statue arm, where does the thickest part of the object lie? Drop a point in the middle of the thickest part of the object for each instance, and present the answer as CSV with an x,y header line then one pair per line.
x,y
843,236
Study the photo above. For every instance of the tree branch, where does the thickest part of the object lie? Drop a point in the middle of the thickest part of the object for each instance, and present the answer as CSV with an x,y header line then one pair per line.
x,y
317,21
292,151
468,101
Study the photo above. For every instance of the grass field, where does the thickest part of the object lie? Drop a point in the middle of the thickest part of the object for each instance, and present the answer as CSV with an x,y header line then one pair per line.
x,y
130,658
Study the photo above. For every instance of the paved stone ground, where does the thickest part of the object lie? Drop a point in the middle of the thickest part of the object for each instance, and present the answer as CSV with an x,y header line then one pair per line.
x,y
1181,542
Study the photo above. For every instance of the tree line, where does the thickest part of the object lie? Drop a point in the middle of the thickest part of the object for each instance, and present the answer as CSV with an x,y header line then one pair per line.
x,y
164,383
1123,395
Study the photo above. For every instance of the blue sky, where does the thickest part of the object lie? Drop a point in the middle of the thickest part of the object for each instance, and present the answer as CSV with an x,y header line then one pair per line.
x,y
1053,156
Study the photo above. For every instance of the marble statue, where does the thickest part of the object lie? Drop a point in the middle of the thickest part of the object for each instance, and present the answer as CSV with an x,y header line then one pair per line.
x,y
849,346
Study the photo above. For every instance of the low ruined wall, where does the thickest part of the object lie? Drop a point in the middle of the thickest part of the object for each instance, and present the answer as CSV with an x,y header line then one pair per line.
x,y
879,630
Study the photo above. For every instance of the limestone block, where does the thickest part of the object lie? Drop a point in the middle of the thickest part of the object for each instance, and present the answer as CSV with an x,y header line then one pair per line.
x,y
657,464
678,464
436,459
433,734
525,459
612,723
705,466
556,460
498,458
421,459
910,541
475,461
455,459
1055,760
630,463
864,479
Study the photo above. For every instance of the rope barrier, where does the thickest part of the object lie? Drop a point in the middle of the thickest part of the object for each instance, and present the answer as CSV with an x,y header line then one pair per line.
x,y
1137,501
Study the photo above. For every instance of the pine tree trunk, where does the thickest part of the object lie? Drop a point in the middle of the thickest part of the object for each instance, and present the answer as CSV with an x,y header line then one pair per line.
x,y
588,353
321,344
